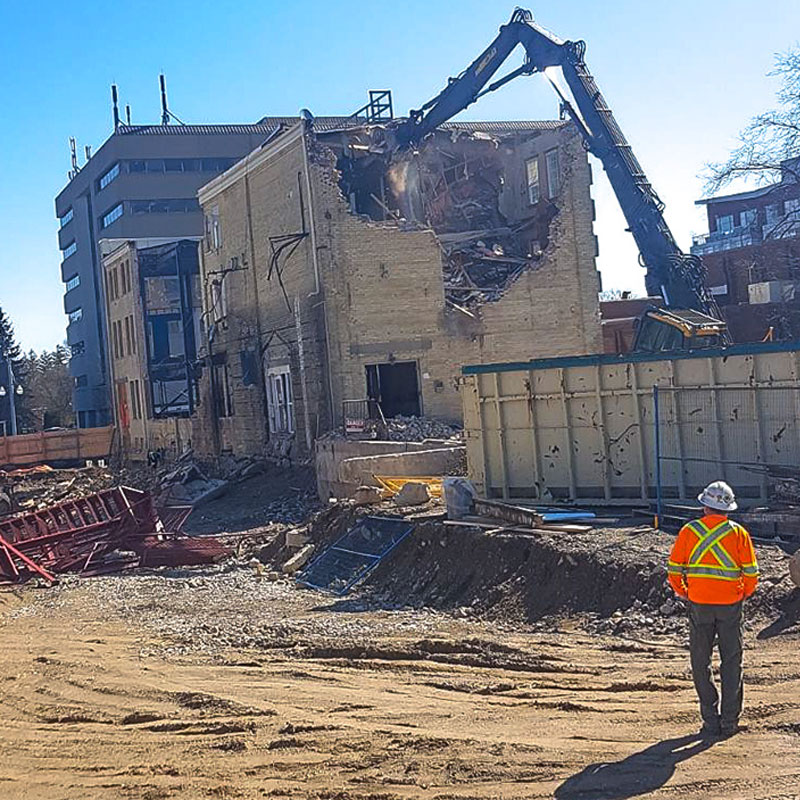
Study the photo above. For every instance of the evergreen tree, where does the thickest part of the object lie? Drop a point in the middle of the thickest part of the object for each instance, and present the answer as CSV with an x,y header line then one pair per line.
x,y
8,343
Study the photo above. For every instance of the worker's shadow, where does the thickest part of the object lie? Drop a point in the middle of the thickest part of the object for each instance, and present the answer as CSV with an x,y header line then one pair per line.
x,y
638,774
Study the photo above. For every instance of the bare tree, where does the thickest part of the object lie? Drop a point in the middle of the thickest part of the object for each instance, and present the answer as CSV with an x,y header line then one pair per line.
x,y
770,139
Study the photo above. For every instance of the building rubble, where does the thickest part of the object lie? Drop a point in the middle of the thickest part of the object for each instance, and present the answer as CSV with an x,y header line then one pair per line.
x,y
453,184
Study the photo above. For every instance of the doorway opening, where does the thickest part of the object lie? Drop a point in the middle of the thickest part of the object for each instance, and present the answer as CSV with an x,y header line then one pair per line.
x,y
395,385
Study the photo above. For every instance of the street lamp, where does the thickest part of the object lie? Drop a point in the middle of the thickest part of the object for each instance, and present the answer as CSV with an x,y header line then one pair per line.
x,y
14,390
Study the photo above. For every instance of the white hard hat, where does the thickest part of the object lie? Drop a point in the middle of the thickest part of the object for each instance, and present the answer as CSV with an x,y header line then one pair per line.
x,y
719,496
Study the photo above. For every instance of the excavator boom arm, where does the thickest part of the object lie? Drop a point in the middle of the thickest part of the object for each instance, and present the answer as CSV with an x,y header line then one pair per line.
x,y
679,278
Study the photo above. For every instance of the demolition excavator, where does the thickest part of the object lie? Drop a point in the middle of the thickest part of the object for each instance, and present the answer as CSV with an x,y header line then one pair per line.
x,y
689,318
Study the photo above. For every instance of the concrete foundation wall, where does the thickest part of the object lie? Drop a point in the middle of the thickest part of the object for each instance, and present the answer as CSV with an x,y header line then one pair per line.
x,y
343,465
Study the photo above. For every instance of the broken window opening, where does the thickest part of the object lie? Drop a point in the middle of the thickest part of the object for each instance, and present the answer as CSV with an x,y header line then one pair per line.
x,y
395,387
221,387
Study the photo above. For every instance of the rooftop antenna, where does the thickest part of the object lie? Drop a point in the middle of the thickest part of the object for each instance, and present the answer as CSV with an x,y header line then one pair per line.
x,y
73,155
164,110
87,151
128,115
115,103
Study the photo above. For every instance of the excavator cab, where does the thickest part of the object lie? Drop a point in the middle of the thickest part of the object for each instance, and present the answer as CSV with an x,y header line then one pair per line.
x,y
662,330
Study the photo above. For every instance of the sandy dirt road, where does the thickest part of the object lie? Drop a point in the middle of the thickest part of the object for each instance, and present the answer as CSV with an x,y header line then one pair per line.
x,y
90,707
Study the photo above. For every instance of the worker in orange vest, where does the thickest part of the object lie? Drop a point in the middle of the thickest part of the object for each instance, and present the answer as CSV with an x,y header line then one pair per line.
x,y
713,566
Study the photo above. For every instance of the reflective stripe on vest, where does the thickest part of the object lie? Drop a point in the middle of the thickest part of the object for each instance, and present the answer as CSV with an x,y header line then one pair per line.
x,y
709,540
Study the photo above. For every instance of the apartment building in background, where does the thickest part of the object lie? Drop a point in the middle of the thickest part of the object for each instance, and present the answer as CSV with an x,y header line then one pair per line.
x,y
752,254
140,185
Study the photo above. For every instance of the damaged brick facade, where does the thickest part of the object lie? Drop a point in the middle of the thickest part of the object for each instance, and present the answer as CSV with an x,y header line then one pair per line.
x,y
334,269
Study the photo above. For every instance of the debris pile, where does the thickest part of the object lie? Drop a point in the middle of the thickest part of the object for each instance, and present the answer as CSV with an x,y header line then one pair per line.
x,y
780,518
418,429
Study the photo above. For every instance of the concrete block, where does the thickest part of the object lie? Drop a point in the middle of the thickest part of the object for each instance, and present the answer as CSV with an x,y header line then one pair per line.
x,y
412,494
295,539
298,560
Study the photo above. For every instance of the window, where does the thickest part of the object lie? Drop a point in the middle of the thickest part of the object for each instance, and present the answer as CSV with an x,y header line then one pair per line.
x,y
223,399
133,335
773,213
69,250
77,349
219,299
749,216
213,233
136,406
115,282
67,217
111,216
725,224
280,405
74,282
792,205
553,172
109,176
75,316
184,205
115,339
532,172
81,381
162,294
128,338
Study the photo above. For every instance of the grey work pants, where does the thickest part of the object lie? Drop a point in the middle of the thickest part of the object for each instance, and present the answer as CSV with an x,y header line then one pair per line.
x,y
723,623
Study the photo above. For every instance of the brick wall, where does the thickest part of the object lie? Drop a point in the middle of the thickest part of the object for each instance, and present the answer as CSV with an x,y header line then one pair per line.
x,y
363,292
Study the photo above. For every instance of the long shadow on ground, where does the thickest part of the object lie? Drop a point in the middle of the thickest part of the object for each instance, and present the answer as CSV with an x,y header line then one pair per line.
x,y
638,774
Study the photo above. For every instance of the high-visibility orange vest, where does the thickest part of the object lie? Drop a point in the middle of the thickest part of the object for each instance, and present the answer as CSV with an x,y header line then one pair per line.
x,y
713,561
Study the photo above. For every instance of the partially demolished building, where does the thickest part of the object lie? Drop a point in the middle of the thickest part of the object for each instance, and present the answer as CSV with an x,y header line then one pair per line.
x,y
339,270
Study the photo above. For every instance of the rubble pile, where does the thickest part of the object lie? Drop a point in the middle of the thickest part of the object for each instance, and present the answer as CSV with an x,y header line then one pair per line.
x,y
39,487
454,183
418,429
614,580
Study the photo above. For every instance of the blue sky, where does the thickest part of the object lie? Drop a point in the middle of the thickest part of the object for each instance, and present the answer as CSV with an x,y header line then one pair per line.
x,y
682,78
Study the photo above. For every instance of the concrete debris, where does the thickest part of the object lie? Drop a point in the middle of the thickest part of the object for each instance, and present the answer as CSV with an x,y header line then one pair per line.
x,y
298,560
418,429
794,568
296,538
412,494
367,496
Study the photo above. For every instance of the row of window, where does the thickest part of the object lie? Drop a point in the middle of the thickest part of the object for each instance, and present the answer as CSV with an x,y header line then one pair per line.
x,y
77,349
181,165
553,170
162,165
71,248
123,344
67,217
115,277
76,315
773,213
185,205
73,283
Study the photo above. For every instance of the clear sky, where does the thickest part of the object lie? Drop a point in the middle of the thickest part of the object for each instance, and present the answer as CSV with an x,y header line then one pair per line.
x,y
682,77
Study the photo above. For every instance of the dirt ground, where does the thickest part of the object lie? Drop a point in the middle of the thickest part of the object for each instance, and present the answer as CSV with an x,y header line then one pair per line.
x,y
106,692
